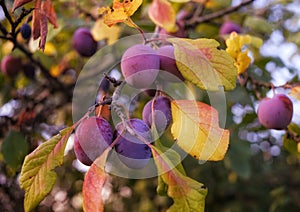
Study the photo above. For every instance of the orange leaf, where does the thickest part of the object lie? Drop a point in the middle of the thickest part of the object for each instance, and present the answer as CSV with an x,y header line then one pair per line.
x,y
163,14
93,184
120,12
19,3
196,129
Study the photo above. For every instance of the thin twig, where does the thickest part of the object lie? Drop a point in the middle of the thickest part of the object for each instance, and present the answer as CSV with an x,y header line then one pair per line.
x,y
218,14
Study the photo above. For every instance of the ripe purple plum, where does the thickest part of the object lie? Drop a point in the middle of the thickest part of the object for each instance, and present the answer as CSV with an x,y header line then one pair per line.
x,y
162,113
25,31
92,137
83,42
168,64
132,151
11,65
29,70
275,113
140,65
228,27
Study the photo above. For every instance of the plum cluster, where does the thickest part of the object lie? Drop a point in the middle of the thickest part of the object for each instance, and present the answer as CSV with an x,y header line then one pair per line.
x,y
11,66
95,134
140,65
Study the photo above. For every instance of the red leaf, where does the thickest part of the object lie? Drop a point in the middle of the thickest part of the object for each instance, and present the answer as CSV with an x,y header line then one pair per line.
x,y
48,9
44,31
93,184
36,17
19,3
162,14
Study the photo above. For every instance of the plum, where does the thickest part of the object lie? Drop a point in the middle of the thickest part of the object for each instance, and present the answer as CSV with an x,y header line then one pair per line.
x,y
92,137
132,151
83,42
140,65
168,64
162,113
275,113
25,31
228,27
11,65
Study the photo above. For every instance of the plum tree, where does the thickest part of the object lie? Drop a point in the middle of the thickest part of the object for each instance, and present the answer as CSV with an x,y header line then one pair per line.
x,y
168,64
228,27
25,31
162,113
275,113
92,137
11,65
140,65
132,151
83,42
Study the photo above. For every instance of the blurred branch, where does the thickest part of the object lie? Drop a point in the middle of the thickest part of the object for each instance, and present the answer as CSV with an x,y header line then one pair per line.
x,y
218,14
12,36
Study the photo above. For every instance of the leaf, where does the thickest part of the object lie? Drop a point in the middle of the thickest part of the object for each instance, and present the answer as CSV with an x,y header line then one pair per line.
x,y
295,92
196,129
187,194
19,3
43,12
163,14
14,148
101,31
235,48
120,12
201,63
93,184
37,174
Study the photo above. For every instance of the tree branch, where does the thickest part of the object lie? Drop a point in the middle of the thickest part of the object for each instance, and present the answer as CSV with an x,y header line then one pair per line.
x,y
218,14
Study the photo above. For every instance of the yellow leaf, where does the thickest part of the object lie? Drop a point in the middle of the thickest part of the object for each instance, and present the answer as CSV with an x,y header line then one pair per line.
x,y
295,92
196,130
101,31
235,47
163,14
203,64
120,12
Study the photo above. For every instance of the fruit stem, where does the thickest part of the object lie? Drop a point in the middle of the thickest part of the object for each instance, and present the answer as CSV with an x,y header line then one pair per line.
x,y
138,28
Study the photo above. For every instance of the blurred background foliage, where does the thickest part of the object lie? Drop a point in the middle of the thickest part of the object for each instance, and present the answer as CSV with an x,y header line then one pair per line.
x,y
261,171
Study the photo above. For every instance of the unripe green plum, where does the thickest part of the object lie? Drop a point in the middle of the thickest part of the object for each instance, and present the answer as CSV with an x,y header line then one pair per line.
x,y
140,65
275,113
132,151
92,137
83,42
11,65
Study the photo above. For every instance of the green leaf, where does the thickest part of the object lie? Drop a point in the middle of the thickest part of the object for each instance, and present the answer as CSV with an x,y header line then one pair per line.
x,y
37,174
203,64
187,194
289,144
258,24
14,149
